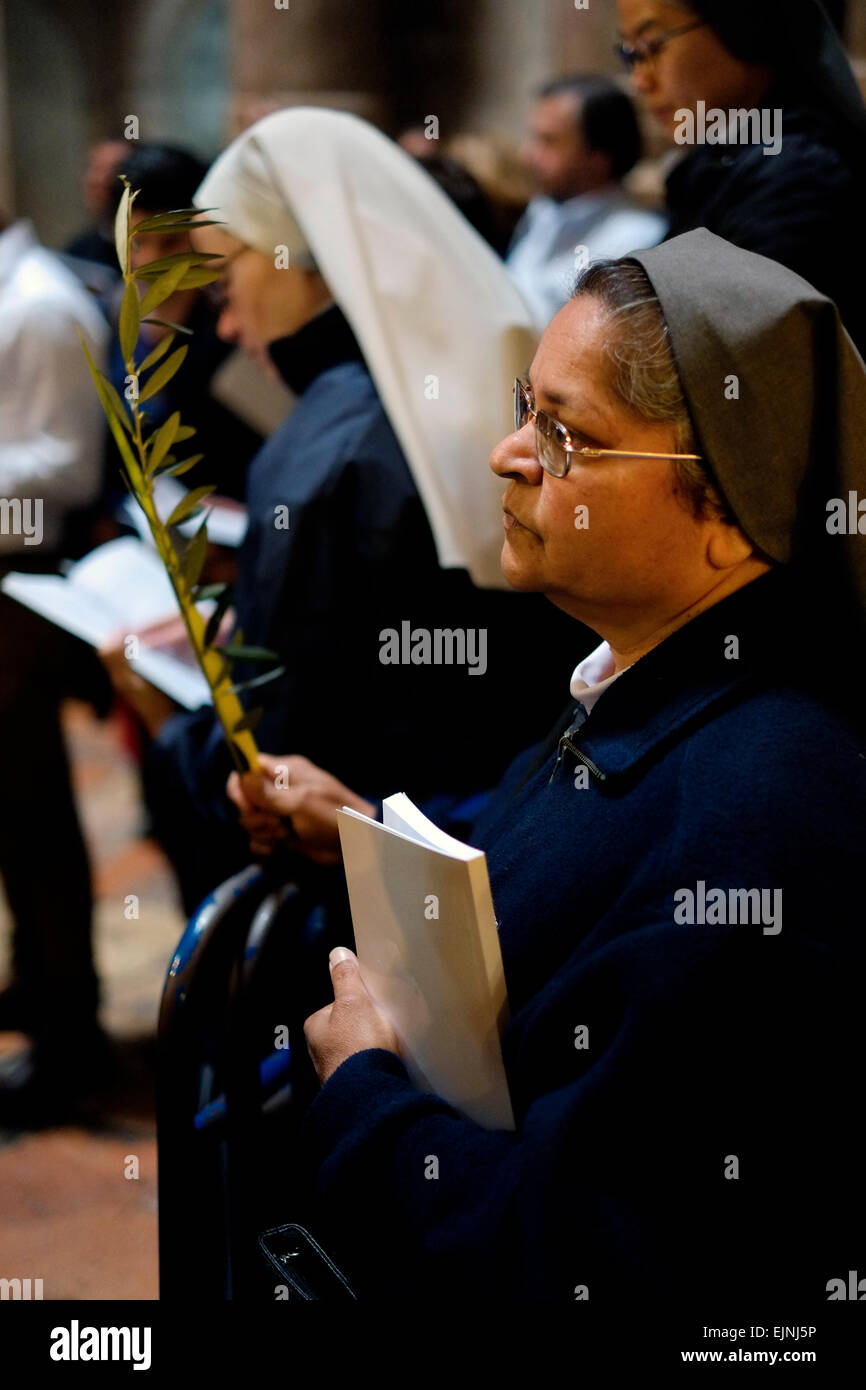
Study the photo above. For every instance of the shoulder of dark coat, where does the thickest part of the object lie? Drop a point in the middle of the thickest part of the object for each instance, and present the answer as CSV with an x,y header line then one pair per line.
x,y
782,751
340,420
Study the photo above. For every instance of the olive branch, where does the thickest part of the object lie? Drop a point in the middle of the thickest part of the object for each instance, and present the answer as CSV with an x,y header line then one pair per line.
x,y
147,455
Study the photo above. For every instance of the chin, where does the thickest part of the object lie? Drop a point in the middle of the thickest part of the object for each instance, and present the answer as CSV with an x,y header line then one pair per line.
x,y
517,576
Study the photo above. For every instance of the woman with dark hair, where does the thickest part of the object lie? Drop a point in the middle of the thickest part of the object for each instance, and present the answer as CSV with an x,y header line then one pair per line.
x,y
166,178
677,869
799,199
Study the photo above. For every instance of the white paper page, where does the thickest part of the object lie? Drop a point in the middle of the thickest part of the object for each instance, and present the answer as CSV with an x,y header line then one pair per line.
x,y
128,579
428,973
183,683
399,813
80,613
226,525
119,586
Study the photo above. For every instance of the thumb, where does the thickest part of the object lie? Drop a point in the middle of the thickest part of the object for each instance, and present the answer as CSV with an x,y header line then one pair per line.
x,y
345,972
260,792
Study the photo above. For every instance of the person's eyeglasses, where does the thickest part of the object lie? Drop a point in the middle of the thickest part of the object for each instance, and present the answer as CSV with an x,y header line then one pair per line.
x,y
554,444
215,292
645,50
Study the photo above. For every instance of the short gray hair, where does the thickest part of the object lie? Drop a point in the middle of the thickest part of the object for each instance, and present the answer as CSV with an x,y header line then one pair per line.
x,y
644,372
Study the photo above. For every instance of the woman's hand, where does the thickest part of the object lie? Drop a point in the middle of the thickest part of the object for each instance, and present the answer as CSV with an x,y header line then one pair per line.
x,y
293,802
351,1024
151,705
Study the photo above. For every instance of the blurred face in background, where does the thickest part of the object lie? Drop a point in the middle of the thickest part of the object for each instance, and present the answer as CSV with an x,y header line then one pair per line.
x,y
555,154
690,67
258,300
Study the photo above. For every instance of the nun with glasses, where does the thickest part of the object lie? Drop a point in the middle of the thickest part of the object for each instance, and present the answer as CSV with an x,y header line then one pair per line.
x,y
791,188
371,561
677,869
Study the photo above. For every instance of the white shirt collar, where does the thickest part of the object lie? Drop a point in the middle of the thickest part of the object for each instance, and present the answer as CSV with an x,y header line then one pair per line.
x,y
593,676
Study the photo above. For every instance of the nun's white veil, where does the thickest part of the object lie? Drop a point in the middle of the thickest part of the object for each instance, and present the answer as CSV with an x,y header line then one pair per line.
x,y
442,329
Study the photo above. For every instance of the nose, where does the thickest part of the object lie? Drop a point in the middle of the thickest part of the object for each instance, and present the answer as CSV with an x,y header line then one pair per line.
x,y
515,458
642,78
526,152
227,326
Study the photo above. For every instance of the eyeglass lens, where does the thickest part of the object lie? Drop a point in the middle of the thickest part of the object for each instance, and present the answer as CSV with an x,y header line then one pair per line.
x,y
550,436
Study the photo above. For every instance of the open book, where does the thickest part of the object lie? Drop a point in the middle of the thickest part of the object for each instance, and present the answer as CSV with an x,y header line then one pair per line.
x,y
119,586
226,519
428,948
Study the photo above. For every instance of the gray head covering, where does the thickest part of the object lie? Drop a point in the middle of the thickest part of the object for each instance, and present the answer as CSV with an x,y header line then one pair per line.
x,y
776,391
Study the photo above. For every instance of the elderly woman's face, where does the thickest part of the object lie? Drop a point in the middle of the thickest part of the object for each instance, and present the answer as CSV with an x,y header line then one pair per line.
x,y
635,548
690,67
260,298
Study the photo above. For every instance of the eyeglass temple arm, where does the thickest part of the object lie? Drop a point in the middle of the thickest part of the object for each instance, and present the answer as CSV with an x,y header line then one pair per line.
x,y
630,454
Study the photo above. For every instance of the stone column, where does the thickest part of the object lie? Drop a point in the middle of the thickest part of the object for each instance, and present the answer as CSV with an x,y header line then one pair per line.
x,y
7,191
306,52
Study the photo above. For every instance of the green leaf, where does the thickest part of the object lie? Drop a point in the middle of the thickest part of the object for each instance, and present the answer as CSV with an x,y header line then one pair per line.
x,y
196,554
153,269
160,350
130,317
209,591
114,424
164,373
162,287
174,215
223,665
258,680
162,441
188,504
248,722
121,229
185,432
114,409
174,469
181,223
237,652
194,279
176,327
217,616
119,408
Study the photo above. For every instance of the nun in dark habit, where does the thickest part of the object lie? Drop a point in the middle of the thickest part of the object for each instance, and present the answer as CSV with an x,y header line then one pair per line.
x,y
802,202
678,869
371,529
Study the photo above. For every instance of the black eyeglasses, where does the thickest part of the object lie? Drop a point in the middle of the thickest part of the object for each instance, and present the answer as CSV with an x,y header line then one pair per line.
x,y
645,50
215,292
554,444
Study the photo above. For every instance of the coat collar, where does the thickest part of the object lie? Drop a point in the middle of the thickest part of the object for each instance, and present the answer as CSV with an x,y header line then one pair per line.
x,y
693,671
326,341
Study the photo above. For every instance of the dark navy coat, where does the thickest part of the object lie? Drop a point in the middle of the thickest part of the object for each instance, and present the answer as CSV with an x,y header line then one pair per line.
x,y
703,1144
356,558
800,206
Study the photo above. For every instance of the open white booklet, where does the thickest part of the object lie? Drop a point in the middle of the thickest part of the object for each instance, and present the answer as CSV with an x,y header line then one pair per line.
x,y
428,948
226,520
119,586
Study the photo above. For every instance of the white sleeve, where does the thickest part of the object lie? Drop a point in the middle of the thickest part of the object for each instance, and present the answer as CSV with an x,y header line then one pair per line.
x,y
51,435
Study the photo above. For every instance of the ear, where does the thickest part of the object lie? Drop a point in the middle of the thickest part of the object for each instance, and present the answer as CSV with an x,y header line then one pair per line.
x,y
727,546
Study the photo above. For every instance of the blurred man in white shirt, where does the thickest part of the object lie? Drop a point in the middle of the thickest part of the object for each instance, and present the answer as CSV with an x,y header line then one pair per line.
x,y
583,139
51,448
